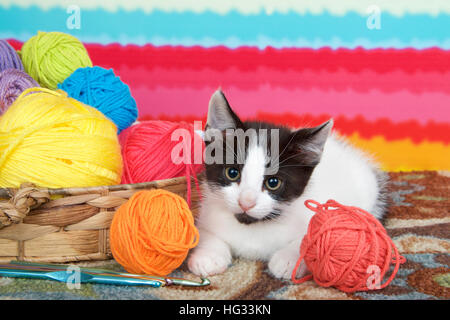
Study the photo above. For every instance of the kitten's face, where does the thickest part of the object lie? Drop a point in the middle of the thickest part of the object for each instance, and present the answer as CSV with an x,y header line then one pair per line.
x,y
260,176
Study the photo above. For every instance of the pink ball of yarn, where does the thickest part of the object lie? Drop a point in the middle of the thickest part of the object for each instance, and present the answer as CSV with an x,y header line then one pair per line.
x,y
12,83
147,151
346,247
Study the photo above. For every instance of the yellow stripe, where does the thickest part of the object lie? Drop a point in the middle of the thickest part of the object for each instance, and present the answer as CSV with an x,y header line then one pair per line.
x,y
405,155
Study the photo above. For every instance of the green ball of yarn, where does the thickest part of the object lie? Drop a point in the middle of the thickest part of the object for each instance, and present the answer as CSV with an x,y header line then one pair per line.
x,y
50,57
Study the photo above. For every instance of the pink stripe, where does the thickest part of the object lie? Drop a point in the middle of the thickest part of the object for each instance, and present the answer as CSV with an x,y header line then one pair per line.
x,y
398,106
339,80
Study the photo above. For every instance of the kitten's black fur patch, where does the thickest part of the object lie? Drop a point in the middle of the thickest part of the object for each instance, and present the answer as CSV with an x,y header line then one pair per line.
x,y
295,165
245,218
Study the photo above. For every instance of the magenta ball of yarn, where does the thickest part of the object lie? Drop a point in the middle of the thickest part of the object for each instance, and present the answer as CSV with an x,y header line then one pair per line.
x,y
9,59
12,83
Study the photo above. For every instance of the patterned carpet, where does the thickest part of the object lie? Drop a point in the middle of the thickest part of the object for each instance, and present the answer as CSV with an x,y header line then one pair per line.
x,y
418,222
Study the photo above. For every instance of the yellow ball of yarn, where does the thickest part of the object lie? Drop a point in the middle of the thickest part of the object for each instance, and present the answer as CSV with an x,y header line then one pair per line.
x,y
50,57
55,141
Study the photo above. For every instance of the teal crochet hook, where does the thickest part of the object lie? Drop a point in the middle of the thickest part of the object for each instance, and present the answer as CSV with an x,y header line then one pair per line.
x,y
68,277
92,275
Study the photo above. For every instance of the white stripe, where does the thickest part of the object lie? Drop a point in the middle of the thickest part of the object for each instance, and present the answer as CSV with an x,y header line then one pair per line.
x,y
397,7
254,168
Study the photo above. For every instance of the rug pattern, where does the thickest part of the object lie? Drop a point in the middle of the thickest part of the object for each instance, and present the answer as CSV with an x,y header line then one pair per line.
x,y
418,221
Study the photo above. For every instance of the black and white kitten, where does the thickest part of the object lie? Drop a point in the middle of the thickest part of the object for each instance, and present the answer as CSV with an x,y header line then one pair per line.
x,y
250,212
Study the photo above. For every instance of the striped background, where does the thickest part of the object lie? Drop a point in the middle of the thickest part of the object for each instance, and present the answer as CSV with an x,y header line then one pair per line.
x,y
293,62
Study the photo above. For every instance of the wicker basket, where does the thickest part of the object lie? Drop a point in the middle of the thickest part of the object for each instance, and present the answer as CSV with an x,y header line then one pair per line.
x,y
67,225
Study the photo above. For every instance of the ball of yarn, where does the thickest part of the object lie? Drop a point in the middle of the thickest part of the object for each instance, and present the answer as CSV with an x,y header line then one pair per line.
x,y
50,57
100,88
12,83
9,59
345,247
51,140
152,232
148,149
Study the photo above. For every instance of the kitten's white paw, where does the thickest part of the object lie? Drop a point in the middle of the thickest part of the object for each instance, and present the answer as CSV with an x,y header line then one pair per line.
x,y
205,263
283,262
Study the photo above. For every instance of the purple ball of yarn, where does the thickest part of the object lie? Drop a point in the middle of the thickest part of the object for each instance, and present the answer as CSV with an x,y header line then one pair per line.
x,y
9,57
12,83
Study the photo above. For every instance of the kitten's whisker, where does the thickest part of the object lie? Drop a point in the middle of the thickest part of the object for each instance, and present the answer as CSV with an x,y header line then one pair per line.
x,y
241,150
287,145
235,155
288,158
230,149
296,165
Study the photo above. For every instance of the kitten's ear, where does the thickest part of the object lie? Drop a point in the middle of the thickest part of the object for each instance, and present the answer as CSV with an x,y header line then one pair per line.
x,y
310,141
220,115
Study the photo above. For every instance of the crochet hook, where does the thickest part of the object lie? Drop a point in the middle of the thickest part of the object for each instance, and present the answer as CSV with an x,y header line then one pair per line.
x,y
64,276
163,280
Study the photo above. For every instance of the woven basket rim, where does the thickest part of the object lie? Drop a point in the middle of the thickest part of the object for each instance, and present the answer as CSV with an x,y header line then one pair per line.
x,y
6,193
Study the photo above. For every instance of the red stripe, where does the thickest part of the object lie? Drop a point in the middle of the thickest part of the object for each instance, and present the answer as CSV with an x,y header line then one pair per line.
x,y
431,131
249,58
220,58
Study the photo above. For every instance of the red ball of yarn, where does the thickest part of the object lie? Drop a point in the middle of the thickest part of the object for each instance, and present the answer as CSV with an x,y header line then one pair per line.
x,y
346,247
148,148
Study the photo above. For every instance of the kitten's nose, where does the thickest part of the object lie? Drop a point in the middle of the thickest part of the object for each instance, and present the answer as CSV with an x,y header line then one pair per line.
x,y
247,200
247,206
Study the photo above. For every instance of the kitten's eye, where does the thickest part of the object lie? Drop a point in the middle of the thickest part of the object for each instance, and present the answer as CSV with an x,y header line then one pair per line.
x,y
232,174
273,183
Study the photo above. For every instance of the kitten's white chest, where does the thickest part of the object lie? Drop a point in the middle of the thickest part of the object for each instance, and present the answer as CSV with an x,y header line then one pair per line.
x,y
255,241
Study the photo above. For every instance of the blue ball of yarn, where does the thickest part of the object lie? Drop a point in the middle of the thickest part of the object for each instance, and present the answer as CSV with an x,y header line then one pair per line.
x,y
102,89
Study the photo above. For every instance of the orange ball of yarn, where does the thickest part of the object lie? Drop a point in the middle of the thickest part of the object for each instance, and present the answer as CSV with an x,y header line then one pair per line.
x,y
347,248
152,232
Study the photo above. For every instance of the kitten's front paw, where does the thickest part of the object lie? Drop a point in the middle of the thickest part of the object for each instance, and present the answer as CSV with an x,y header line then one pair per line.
x,y
283,262
205,263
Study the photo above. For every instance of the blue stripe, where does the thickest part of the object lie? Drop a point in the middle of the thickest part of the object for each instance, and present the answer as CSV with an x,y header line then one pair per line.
x,y
232,30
